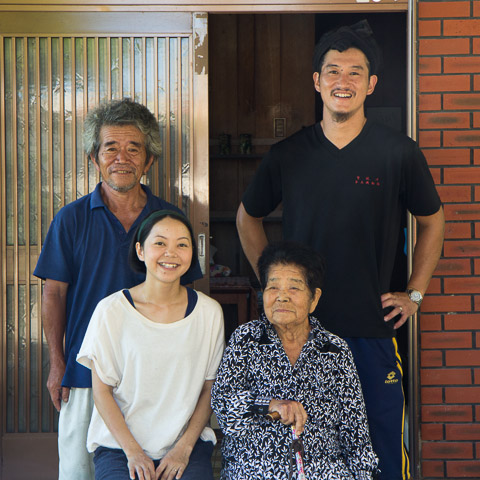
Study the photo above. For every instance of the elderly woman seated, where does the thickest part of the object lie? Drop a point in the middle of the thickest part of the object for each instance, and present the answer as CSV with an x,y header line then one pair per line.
x,y
286,362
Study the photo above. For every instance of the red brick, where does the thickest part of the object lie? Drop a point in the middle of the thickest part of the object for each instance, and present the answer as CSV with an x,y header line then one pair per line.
x,y
464,321
476,44
447,376
476,9
477,450
435,287
433,468
464,248
476,120
431,358
476,195
432,431
462,211
429,102
477,414
477,230
476,83
476,266
429,28
429,65
462,139
436,340
450,303
447,156
457,266
462,432
464,469
444,450
444,120
431,395
477,335
444,46
443,9
436,175
430,322
462,358
444,83
447,413
455,194
429,139
469,64
476,377
458,230
464,101
465,175
457,28
462,284
476,156
462,395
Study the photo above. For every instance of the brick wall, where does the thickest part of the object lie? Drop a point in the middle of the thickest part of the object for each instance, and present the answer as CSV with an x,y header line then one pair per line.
x,y
449,134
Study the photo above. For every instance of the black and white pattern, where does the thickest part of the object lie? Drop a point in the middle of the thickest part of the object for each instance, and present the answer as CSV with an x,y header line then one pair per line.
x,y
324,380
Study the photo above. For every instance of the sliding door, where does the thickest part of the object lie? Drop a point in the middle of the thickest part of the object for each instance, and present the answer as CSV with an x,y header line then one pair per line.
x,y
54,68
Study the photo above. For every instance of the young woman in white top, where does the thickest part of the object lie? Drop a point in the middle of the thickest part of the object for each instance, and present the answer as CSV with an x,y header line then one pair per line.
x,y
154,351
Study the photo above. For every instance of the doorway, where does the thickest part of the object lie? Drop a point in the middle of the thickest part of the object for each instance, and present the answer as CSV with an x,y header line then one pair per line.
x,y
261,85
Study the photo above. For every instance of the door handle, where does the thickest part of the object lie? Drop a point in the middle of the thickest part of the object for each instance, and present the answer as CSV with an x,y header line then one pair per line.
x,y
201,247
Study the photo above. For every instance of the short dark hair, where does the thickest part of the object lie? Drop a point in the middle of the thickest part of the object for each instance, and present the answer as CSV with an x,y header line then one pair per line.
x,y
293,253
144,230
358,35
121,113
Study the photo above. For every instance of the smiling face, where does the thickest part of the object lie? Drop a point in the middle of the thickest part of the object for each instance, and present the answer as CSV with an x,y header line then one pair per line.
x,y
344,83
287,299
122,158
167,250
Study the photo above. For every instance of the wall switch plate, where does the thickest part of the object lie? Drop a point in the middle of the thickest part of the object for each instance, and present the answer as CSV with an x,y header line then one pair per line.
x,y
279,127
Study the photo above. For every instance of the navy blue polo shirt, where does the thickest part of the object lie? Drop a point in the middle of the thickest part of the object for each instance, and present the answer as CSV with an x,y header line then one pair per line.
x,y
87,247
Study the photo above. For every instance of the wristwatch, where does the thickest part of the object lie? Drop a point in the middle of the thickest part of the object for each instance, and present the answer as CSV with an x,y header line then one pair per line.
x,y
415,296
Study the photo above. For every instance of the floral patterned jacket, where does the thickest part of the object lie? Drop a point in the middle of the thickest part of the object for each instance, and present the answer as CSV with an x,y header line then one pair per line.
x,y
255,369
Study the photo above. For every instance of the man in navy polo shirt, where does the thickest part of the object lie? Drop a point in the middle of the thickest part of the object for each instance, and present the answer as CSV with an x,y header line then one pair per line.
x,y
84,259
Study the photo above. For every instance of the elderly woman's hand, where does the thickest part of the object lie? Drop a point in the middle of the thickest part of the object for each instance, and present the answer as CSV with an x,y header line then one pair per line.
x,y
291,413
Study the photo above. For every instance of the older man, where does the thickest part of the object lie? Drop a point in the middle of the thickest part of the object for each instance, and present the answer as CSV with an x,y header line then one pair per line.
x,y
84,259
345,184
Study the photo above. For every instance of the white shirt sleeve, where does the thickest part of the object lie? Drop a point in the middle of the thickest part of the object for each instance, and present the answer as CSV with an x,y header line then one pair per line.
x,y
100,344
218,333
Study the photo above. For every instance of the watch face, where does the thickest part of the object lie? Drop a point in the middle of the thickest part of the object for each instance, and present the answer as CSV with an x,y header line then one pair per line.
x,y
415,296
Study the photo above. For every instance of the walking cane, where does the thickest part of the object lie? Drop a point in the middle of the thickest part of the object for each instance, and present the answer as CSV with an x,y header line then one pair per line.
x,y
296,445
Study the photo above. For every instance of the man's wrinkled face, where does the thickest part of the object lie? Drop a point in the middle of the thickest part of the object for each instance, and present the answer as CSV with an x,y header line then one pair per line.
x,y
122,157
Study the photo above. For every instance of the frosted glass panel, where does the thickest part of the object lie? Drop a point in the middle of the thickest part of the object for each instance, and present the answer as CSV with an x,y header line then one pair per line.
x,y
49,85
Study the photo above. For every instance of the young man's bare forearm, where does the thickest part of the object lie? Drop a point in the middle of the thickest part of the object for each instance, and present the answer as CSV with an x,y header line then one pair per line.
x,y
252,236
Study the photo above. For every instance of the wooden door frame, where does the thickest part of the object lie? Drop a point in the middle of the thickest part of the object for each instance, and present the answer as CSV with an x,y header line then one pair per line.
x,y
201,217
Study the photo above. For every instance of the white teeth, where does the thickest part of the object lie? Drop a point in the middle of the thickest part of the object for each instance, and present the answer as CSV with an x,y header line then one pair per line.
x,y
343,95
169,265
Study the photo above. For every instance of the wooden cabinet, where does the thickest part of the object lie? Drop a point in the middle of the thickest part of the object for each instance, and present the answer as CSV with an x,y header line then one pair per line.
x,y
229,177
238,299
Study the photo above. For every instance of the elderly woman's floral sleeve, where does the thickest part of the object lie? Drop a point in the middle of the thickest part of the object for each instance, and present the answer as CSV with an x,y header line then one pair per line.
x,y
234,399
354,432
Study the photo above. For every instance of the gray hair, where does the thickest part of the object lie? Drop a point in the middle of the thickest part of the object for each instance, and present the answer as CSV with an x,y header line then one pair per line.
x,y
121,113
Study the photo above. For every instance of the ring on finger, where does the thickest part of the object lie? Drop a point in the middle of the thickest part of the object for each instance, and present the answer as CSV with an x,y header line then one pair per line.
x,y
401,309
